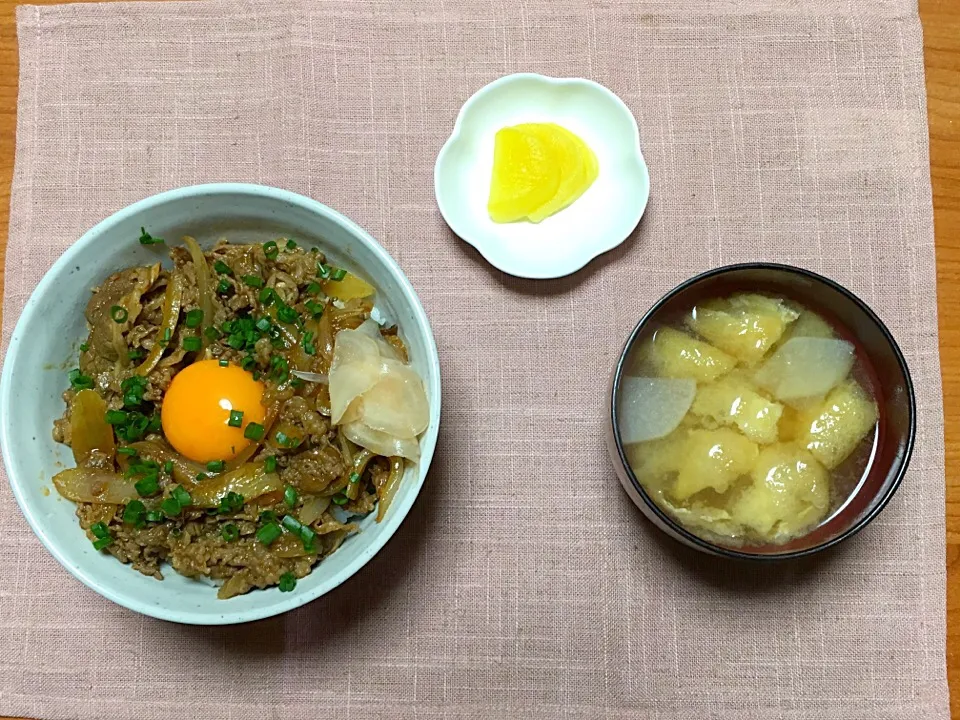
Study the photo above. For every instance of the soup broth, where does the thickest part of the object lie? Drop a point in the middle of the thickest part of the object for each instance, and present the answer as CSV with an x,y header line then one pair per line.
x,y
749,419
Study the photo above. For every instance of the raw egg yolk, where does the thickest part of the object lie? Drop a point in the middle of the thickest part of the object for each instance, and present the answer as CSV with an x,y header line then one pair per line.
x,y
202,408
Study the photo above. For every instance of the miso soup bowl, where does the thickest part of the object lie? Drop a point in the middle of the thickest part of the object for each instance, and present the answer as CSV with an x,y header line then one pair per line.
x,y
855,322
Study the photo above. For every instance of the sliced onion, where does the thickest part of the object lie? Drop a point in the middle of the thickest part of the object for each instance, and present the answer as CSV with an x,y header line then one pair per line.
x,y
313,509
389,489
185,471
89,431
168,323
652,408
311,376
94,486
806,367
202,271
249,480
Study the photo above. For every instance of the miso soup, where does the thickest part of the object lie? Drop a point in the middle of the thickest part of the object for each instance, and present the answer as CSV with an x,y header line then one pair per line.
x,y
749,419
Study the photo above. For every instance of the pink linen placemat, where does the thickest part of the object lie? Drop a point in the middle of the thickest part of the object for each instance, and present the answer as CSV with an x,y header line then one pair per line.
x,y
524,583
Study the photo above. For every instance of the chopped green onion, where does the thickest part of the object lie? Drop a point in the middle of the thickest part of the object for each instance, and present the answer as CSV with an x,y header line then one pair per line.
x,y
323,271
267,296
182,496
270,464
115,417
287,314
308,347
314,288
230,532
279,369
171,508
308,536
236,342
148,239
271,250
133,513
291,245
155,423
315,308
118,314
253,431
248,362
236,418
254,281
288,582
295,527
200,476
223,286
79,381
146,487
135,354
168,467
338,274
212,333
192,343
102,543
290,496
291,523
193,318
128,451
340,499
216,466
133,389
297,383
282,438
267,516
154,516
354,477
269,533
84,347
263,324
223,362
221,267
165,338
232,502
100,530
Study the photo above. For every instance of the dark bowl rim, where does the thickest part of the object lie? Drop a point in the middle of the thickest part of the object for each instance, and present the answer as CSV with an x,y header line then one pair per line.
x,y
710,547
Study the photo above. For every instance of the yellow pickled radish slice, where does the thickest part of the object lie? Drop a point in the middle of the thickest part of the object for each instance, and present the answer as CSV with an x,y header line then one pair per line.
x,y
348,287
593,165
565,148
525,175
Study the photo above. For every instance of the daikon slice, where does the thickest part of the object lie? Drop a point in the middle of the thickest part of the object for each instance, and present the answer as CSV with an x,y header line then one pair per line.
x,y
652,408
809,324
806,367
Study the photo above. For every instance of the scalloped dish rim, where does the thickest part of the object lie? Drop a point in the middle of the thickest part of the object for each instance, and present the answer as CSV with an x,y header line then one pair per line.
x,y
591,251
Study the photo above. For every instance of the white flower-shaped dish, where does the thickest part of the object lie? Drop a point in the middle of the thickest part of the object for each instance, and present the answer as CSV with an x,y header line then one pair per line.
x,y
602,218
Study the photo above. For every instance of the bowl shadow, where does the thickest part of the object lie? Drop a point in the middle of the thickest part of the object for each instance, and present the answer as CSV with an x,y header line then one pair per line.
x,y
550,286
732,575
